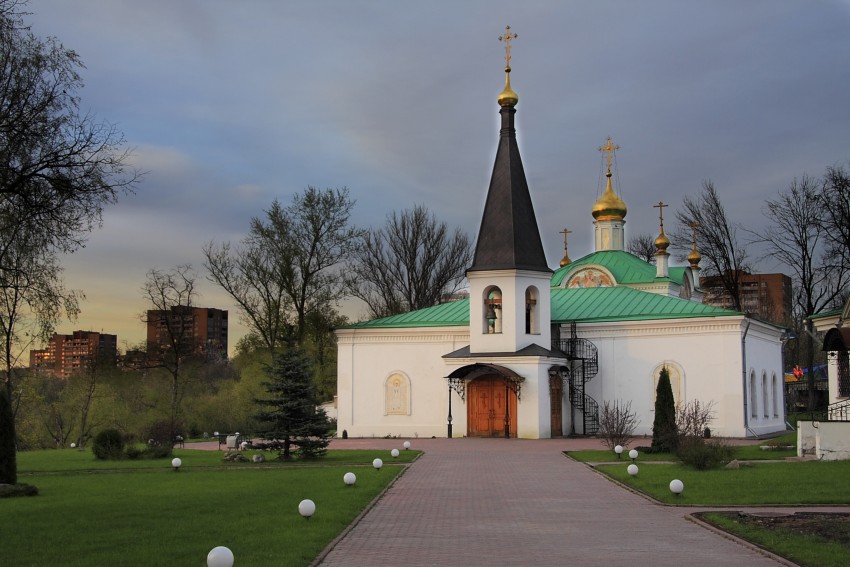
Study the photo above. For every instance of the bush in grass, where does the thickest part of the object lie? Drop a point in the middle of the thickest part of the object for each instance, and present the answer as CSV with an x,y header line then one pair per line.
x,y
703,454
664,432
617,423
108,445
8,457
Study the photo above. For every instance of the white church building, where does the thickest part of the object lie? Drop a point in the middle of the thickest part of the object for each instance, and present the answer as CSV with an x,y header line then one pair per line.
x,y
535,353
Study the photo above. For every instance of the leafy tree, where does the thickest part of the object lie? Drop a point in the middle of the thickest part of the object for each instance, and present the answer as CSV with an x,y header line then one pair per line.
x,y
724,257
290,265
664,433
59,168
415,261
291,414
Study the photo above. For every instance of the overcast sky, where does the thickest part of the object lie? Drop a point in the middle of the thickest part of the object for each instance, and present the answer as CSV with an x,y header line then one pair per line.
x,y
232,104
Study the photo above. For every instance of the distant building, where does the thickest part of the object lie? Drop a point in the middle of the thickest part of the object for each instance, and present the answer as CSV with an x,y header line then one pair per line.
x,y
68,354
199,330
766,296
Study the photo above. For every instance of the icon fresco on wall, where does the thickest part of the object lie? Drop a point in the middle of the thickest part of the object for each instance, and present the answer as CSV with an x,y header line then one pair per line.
x,y
590,277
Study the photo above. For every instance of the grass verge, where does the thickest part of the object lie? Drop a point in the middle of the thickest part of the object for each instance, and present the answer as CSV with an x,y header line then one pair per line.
x,y
146,514
806,549
759,484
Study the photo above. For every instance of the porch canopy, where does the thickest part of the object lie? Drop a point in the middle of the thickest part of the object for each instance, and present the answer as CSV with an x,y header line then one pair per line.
x,y
837,339
458,378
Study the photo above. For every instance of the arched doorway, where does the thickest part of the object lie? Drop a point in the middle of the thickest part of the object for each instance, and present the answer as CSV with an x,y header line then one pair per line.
x,y
491,408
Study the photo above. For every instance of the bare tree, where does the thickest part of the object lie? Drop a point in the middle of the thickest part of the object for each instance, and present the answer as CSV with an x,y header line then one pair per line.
x,y
617,423
796,237
693,417
835,216
59,169
171,296
411,263
290,264
643,246
724,257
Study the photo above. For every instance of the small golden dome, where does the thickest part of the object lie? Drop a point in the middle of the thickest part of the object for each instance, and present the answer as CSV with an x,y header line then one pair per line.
x,y
694,257
508,97
662,242
609,206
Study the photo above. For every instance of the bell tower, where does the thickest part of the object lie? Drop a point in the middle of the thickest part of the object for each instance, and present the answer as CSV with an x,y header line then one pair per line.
x,y
509,278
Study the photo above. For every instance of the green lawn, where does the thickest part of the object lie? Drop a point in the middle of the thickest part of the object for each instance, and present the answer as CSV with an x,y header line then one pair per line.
x,y
142,513
759,484
808,550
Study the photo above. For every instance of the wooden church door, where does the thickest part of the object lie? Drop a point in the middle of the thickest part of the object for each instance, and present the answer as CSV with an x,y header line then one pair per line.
x,y
486,409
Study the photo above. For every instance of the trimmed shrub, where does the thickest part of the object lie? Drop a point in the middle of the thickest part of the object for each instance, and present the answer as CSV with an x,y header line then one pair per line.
x,y
664,432
108,445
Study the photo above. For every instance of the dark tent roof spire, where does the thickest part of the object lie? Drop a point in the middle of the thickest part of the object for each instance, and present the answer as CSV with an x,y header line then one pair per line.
x,y
508,238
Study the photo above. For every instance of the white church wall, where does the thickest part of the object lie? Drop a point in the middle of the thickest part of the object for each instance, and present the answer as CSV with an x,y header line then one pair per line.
x,y
367,358
707,356
766,403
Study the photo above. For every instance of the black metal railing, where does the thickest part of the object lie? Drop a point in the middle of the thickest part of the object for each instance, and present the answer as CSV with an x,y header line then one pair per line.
x,y
584,359
839,411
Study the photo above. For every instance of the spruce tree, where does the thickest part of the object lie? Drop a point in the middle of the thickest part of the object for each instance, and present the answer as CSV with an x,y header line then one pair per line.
x,y
664,434
291,411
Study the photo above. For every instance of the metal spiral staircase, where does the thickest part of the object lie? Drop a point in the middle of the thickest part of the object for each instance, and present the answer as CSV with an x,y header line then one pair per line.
x,y
584,365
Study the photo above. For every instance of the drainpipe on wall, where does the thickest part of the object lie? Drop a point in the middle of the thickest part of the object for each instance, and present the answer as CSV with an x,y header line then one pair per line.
x,y
744,374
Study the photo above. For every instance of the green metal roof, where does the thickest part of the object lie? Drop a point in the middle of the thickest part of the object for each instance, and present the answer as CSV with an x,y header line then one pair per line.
x,y
454,313
624,266
625,304
580,305
824,314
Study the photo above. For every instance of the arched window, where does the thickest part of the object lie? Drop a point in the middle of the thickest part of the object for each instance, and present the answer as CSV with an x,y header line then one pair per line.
x,y
531,310
397,395
753,408
777,395
765,393
492,310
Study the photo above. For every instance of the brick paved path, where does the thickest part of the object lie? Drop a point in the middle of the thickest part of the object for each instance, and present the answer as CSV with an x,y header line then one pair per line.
x,y
470,502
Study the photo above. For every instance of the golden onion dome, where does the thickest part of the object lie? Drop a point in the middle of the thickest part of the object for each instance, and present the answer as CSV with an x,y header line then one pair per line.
x,y
694,257
508,97
609,206
662,242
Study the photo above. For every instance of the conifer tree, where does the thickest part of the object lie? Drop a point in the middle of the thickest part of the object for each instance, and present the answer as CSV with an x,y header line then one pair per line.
x,y
664,434
291,410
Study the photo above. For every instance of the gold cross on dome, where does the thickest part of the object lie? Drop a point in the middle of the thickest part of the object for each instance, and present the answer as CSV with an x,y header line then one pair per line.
x,y
565,232
660,206
609,148
507,39
695,225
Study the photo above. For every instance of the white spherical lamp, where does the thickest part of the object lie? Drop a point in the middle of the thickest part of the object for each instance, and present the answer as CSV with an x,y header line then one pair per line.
x,y
377,463
73,445
176,463
632,470
407,444
394,453
677,486
307,508
633,454
619,450
349,478
220,557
